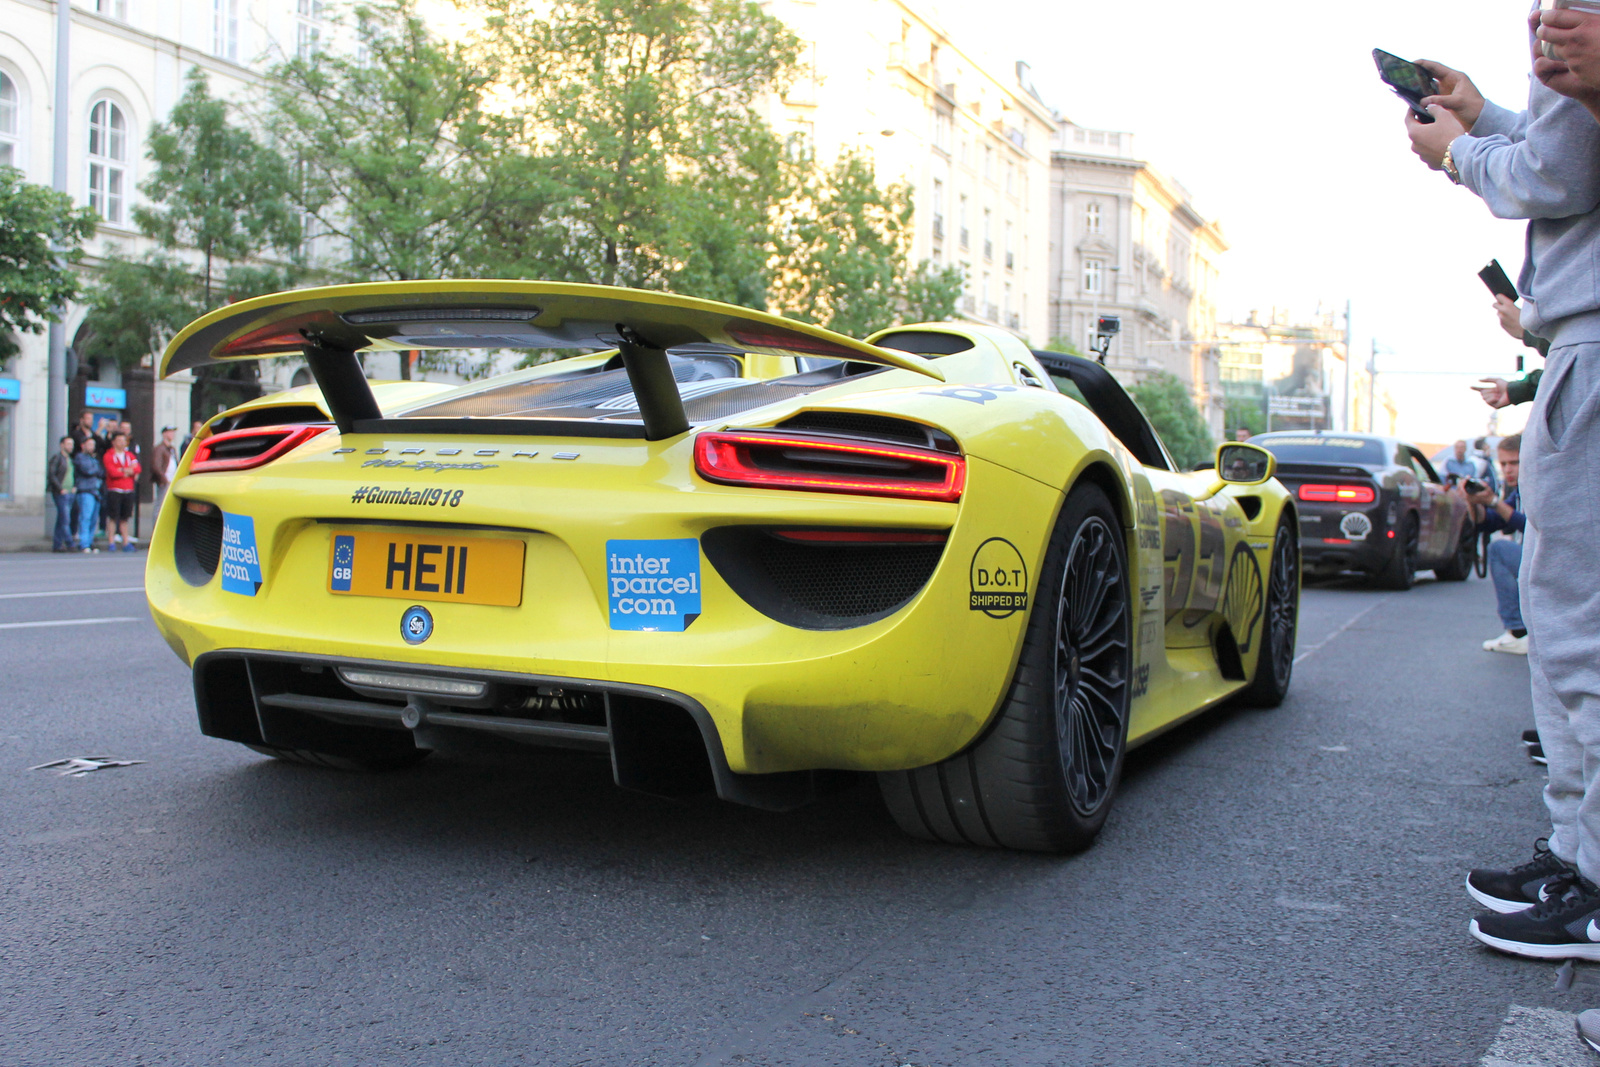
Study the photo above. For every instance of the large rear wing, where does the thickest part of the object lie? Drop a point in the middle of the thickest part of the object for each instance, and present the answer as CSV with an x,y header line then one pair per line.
x,y
331,325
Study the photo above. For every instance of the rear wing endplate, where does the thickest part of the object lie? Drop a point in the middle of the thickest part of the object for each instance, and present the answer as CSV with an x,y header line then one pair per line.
x,y
330,326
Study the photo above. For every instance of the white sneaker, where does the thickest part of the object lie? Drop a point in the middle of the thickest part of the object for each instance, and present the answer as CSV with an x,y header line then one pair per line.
x,y
1516,646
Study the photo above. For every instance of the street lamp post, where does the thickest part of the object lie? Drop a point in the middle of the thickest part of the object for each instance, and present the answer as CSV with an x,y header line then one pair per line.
x,y
55,391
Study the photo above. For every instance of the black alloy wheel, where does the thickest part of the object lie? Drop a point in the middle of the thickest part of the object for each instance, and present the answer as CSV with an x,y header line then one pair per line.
x,y
1280,629
1043,775
1091,690
1400,573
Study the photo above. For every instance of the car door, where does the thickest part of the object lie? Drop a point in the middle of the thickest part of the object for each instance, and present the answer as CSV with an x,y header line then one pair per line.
x,y
1434,509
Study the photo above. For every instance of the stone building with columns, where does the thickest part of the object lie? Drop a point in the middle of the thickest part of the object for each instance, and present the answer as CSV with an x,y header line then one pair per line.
x,y
1127,240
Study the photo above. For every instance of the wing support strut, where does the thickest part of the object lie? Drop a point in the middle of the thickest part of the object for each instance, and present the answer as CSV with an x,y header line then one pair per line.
x,y
650,375
344,387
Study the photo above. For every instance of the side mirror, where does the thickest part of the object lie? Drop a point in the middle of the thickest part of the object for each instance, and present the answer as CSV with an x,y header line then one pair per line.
x,y
1244,464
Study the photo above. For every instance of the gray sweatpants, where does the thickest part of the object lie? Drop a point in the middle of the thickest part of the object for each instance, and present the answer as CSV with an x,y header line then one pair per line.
x,y
1561,594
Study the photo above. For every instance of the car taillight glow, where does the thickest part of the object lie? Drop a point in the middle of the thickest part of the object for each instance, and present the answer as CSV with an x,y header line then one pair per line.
x,y
239,450
828,465
1337,494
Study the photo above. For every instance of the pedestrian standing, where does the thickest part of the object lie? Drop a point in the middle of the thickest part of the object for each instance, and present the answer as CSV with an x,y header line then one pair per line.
x,y
59,484
88,478
164,465
1544,166
122,484
194,431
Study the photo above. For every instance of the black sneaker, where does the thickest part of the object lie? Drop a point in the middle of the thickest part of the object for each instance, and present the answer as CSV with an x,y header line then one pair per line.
x,y
1536,753
1518,888
1565,927
1530,737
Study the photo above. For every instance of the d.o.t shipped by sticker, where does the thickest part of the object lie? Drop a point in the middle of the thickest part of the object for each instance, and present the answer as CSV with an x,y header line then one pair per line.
x,y
999,579
653,585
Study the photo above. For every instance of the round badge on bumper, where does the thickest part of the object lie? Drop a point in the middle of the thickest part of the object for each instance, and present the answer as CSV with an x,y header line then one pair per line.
x,y
416,625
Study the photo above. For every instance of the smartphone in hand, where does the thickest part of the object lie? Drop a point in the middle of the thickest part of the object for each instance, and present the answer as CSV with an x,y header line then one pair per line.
x,y
1494,276
1410,82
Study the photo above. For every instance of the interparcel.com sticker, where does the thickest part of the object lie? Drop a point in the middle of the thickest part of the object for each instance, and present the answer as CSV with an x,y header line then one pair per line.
x,y
653,585
241,562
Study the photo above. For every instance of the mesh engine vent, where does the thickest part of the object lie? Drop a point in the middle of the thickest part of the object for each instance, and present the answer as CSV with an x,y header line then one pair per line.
x,y
819,587
197,546
881,427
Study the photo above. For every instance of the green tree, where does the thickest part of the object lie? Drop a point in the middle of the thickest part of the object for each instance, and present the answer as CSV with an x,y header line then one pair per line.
x,y
845,256
1246,412
214,188
639,117
1165,401
136,304
396,157
41,235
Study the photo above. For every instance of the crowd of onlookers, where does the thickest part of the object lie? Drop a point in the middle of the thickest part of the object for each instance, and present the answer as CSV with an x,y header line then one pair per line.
x,y
1542,165
93,482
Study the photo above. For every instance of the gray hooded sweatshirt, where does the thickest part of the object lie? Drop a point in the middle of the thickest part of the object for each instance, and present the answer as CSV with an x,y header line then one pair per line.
x,y
1543,165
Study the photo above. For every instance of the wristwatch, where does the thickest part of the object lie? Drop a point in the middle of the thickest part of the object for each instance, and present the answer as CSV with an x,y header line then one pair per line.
x,y
1450,166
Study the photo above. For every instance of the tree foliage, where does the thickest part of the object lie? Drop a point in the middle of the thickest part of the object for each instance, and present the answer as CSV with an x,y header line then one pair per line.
x,y
845,256
214,188
1165,401
639,118
395,157
41,235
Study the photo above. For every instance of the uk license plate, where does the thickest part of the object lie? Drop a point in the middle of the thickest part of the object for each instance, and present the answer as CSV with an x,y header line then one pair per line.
x,y
424,566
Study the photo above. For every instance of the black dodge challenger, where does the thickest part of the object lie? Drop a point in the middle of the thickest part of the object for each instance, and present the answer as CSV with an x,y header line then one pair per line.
x,y
1375,505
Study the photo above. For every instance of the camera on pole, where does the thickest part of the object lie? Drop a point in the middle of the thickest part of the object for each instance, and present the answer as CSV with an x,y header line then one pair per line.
x,y
1105,328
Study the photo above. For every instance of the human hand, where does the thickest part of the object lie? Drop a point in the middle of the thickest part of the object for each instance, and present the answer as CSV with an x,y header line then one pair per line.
x,y
1456,93
1510,315
1483,498
1430,140
1575,37
1494,391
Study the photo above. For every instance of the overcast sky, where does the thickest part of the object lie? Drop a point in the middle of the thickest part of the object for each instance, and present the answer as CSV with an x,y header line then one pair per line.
x,y
1272,115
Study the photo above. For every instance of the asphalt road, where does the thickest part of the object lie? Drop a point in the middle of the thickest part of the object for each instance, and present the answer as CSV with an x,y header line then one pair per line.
x,y
1276,887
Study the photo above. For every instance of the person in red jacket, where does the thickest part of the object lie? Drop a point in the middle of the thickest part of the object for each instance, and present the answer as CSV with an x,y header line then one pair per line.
x,y
122,479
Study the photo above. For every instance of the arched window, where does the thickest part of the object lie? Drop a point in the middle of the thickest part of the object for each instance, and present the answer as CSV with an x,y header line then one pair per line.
x,y
10,122
108,160
1091,218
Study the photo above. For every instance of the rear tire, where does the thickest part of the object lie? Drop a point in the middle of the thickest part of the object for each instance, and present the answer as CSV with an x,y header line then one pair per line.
x,y
1043,776
306,757
1459,567
1400,573
1280,623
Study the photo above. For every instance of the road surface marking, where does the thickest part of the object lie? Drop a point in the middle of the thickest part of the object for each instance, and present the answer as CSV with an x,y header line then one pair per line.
x,y
1357,617
69,622
1537,1037
73,592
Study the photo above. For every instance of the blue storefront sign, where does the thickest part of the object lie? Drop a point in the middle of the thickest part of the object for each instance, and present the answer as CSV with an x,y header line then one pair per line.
x,y
100,396
10,389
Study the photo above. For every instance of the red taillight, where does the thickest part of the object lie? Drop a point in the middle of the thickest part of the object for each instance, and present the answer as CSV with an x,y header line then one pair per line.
x,y
828,465
239,450
1338,494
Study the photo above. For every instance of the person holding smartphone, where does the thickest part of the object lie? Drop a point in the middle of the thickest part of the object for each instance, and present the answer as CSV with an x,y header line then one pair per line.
x,y
1544,166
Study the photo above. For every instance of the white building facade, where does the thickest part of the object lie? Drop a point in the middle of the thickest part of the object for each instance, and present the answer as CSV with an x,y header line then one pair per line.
x,y
128,61
1128,241
973,142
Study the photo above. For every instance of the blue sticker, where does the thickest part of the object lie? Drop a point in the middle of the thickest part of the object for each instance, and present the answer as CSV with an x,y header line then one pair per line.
x,y
344,558
653,585
241,563
416,625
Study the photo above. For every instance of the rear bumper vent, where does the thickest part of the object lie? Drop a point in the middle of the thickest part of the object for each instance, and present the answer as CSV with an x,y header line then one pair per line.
x,y
875,427
197,546
833,584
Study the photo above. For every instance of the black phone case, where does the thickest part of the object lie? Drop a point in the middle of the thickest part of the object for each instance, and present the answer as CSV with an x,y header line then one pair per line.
x,y
1494,276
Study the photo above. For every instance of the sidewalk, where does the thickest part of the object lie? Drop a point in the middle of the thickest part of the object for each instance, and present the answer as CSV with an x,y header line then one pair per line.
x,y
26,533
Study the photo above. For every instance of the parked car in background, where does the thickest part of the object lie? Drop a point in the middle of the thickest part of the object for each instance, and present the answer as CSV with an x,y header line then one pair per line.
x,y
1374,505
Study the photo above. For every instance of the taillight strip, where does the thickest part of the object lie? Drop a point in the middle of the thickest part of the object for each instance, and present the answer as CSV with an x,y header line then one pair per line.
x,y
1316,493
735,458
279,439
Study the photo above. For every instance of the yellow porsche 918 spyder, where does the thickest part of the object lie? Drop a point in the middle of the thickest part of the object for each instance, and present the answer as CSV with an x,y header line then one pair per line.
x,y
730,552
